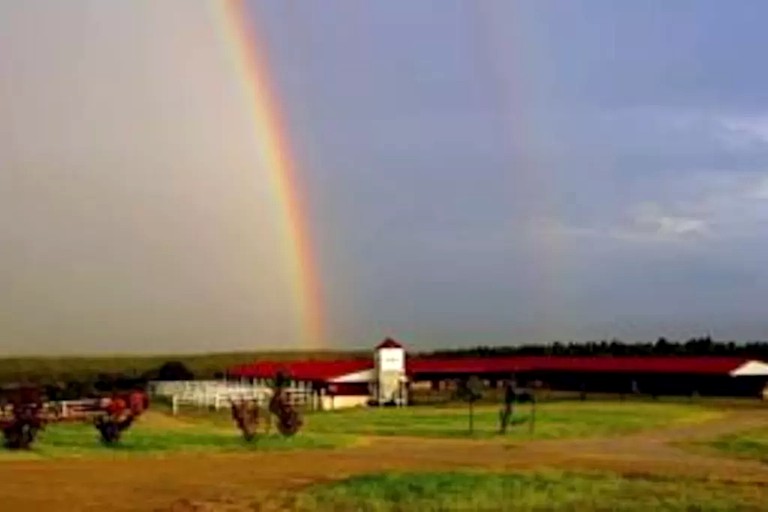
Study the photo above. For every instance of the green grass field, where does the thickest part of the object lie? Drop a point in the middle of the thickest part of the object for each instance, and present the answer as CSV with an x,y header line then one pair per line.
x,y
199,431
160,434
556,420
752,444
522,492
552,420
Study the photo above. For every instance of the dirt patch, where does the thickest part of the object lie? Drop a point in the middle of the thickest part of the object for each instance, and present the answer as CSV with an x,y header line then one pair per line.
x,y
208,482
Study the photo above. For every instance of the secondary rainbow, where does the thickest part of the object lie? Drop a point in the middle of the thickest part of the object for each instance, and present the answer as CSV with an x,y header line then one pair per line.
x,y
248,53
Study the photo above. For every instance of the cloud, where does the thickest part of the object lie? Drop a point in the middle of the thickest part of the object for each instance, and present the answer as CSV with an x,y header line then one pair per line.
x,y
649,223
708,206
666,175
760,190
686,131
651,220
736,205
744,131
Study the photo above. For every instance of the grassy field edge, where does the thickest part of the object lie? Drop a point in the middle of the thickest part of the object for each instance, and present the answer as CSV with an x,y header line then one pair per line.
x,y
550,490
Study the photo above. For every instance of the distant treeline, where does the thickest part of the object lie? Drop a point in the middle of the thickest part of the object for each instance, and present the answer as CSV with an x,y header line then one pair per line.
x,y
662,347
78,374
100,371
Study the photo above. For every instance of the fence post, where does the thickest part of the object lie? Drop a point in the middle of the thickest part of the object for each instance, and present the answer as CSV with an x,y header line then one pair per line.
x,y
175,405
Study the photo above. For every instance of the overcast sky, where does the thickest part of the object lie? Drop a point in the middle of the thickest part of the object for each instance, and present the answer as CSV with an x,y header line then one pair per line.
x,y
477,173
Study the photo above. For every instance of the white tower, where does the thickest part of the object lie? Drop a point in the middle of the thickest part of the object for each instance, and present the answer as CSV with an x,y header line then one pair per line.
x,y
389,364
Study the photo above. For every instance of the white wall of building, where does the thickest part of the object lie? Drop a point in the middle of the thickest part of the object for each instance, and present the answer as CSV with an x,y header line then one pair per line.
x,y
330,403
389,365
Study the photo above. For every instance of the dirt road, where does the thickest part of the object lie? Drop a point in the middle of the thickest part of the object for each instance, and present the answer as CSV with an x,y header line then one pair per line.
x,y
205,482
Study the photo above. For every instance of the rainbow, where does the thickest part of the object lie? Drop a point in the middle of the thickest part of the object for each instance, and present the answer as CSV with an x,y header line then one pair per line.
x,y
252,68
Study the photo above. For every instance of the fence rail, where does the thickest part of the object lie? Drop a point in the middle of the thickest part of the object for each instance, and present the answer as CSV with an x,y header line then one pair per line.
x,y
219,394
62,409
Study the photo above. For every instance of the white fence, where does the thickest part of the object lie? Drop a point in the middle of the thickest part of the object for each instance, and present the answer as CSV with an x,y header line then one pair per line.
x,y
198,387
217,394
69,408
63,409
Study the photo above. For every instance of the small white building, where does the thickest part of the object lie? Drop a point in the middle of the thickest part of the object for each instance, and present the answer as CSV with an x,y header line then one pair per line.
x,y
389,382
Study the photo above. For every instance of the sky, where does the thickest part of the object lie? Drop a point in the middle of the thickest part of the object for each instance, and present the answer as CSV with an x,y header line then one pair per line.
x,y
496,172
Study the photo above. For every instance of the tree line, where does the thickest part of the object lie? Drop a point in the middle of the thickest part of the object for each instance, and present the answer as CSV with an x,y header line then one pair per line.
x,y
703,346
107,382
89,369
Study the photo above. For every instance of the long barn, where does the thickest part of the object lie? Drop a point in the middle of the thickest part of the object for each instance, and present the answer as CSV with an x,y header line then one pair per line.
x,y
389,375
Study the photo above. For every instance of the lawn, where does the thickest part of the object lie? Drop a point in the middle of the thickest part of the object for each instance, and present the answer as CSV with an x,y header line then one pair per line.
x,y
202,431
751,444
552,420
465,491
159,433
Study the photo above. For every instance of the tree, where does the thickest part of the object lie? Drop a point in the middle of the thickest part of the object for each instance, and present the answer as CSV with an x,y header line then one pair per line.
x,y
174,370
471,390
76,390
105,382
696,346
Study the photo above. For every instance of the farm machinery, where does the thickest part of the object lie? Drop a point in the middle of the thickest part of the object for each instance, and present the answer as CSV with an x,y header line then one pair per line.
x,y
26,410
248,414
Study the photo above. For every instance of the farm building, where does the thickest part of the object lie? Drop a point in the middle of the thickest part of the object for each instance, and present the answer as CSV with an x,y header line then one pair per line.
x,y
340,384
389,375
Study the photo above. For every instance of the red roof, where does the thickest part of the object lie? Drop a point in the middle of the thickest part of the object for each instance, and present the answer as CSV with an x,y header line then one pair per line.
x,y
510,364
388,343
327,370
302,370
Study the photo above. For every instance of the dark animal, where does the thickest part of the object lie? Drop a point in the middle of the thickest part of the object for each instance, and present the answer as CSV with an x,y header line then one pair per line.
x,y
505,415
513,395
